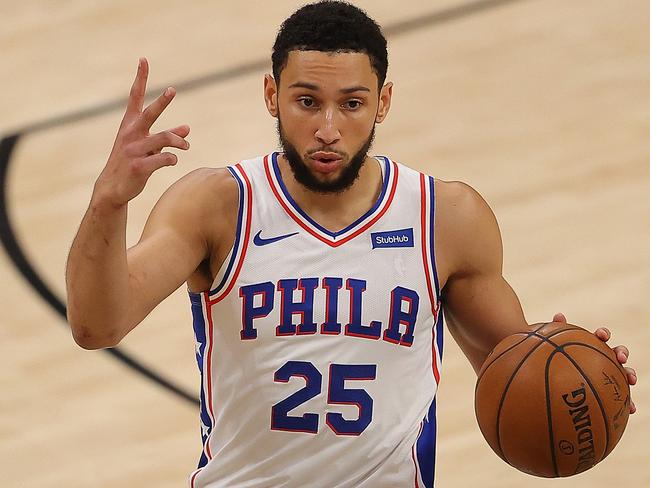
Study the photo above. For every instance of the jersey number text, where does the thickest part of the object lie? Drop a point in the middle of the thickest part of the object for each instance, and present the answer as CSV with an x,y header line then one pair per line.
x,y
337,394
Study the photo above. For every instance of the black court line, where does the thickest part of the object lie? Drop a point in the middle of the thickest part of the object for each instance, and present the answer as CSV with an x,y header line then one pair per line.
x,y
8,144
15,252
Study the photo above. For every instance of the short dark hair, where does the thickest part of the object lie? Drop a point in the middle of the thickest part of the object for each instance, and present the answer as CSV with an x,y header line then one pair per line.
x,y
331,26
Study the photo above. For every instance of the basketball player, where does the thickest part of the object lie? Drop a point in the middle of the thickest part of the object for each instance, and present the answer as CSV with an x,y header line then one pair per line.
x,y
317,275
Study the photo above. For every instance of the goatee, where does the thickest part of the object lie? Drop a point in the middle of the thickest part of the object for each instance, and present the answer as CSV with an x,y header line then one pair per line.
x,y
305,177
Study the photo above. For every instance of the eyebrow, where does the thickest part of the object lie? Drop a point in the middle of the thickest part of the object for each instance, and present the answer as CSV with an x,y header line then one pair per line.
x,y
311,86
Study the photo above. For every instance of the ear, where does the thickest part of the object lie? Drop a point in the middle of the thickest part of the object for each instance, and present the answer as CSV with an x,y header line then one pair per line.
x,y
271,95
385,96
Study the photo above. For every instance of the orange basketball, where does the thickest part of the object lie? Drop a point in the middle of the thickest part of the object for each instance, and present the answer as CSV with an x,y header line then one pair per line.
x,y
552,402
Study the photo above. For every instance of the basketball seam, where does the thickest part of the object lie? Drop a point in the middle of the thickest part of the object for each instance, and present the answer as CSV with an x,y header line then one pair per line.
x,y
596,350
506,388
532,333
503,397
606,451
591,387
549,415
527,334
557,348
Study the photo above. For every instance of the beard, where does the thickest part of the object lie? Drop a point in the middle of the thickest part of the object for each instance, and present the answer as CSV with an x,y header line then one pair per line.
x,y
306,178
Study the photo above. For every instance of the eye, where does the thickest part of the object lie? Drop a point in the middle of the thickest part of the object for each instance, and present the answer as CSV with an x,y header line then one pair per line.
x,y
352,104
306,102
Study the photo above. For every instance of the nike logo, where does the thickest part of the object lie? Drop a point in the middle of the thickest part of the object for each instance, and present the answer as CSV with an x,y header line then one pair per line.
x,y
258,240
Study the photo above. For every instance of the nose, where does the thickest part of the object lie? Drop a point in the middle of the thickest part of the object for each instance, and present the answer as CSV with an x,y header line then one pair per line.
x,y
328,132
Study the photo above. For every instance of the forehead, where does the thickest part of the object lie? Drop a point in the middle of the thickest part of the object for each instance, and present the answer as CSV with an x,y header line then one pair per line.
x,y
332,69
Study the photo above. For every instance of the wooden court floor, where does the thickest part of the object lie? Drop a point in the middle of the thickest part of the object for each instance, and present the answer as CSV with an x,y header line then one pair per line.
x,y
541,105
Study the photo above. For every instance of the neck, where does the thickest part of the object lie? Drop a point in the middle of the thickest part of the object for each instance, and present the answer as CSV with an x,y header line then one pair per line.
x,y
336,209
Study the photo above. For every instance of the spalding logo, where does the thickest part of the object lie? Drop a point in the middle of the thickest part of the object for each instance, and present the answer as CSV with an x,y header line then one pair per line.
x,y
579,412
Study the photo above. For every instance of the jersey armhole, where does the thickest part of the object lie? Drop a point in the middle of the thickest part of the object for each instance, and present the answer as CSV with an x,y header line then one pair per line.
x,y
229,270
427,231
427,222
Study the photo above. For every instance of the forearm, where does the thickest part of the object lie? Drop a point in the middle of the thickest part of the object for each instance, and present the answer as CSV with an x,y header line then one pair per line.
x,y
97,276
104,300
481,311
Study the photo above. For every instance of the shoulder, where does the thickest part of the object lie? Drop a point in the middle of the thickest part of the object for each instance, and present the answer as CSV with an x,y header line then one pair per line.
x,y
205,182
462,203
204,190
468,230
205,197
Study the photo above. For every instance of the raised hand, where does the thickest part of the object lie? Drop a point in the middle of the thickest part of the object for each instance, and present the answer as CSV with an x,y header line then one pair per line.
x,y
137,153
622,353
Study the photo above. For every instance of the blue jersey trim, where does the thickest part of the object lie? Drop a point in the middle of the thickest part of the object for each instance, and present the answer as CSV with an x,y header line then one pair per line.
x,y
426,447
285,192
432,219
198,324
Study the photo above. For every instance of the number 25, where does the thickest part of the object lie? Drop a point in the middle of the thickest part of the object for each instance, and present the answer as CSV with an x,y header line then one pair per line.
x,y
337,394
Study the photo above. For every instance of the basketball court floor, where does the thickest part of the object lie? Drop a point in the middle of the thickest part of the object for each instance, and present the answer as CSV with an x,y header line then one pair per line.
x,y
542,105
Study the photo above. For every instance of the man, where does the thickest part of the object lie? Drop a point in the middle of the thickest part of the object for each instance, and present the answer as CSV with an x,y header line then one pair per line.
x,y
318,266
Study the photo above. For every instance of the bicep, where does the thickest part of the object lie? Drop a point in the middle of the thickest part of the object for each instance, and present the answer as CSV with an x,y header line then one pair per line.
x,y
480,306
171,247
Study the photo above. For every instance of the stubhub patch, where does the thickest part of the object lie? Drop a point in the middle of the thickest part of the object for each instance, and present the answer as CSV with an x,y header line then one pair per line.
x,y
392,238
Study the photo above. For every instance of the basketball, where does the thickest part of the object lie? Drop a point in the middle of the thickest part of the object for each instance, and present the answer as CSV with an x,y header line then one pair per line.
x,y
552,402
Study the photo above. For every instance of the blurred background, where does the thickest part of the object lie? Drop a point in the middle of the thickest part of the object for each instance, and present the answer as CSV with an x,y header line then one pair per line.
x,y
542,105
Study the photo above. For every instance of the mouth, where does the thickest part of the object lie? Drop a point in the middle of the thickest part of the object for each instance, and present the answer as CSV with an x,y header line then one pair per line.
x,y
326,162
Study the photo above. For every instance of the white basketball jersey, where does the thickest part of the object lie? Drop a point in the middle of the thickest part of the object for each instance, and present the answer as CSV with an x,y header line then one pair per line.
x,y
320,351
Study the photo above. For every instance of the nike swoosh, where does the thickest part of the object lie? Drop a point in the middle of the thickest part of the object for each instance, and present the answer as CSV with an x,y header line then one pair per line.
x,y
258,240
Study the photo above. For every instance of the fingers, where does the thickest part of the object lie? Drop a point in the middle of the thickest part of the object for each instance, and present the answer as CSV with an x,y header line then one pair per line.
x,y
136,101
632,379
138,89
151,163
631,375
622,353
559,317
153,111
603,334
155,143
181,130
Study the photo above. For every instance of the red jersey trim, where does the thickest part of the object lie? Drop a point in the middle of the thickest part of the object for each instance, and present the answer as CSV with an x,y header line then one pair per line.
x,y
332,243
